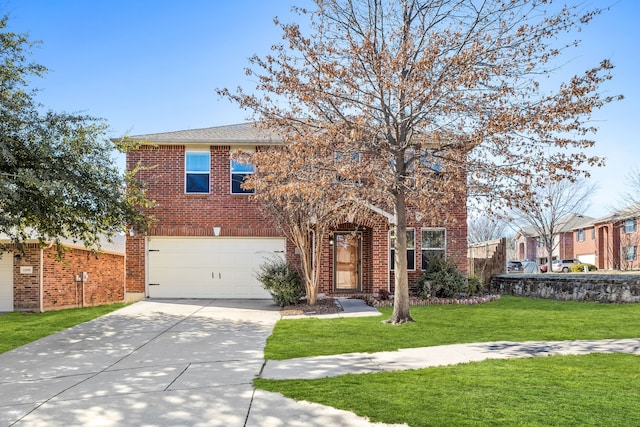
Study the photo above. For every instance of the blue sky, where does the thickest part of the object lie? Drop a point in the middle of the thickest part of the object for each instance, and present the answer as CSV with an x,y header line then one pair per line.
x,y
153,66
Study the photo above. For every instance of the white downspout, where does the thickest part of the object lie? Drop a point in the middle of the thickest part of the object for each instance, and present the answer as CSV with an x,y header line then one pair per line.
x,y
41,284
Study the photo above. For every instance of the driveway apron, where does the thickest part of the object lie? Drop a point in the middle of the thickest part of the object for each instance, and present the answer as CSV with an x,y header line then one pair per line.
x,y
153,363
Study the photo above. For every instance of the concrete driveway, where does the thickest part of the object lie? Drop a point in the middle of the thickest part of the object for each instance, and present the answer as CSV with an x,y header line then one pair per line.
x,y
155,363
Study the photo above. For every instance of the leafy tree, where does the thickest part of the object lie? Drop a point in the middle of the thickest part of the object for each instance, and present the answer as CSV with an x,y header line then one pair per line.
x,y
440,98
57,177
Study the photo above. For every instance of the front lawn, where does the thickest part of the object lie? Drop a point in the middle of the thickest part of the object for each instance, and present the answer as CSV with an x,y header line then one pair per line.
x,y
17,328
586,390
591,390
508,319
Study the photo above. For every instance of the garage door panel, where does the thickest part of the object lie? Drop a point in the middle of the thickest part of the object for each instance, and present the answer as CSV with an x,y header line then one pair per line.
x,y
6,282
587,259
209,268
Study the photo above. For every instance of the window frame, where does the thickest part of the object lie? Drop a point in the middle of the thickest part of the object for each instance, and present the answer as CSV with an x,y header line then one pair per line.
x,y
243,173
580,235
630,253
424,249
190,172
411,250
630,226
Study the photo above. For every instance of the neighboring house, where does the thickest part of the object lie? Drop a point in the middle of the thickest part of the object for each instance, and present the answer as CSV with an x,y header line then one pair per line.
x,y
618,238
529,245
32,279
585,246
210,236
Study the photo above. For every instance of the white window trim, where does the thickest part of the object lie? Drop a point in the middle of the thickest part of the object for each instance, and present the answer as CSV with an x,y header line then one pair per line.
x,y
392,248
631,250
198,151
231,152
631,221
422,247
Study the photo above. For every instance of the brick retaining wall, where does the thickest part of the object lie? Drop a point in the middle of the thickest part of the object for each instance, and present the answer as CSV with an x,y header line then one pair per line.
x,y
616,288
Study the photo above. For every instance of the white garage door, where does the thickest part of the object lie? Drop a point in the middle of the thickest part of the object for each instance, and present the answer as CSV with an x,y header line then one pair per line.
x,y
6,282
587,259
209,268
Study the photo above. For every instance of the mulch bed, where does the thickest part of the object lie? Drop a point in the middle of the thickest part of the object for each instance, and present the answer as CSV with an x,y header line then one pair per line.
x,y
324,306
330,306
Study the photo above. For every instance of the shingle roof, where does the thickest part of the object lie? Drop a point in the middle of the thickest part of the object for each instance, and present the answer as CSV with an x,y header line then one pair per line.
x,y
242,133
628,212
115,245
574,222
564,225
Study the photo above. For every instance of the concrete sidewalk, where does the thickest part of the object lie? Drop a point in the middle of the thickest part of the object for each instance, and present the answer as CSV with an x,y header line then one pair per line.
x,y
417,358
192,363
155,363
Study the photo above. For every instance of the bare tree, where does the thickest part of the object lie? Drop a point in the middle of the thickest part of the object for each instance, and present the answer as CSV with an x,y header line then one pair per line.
x,y
551,207
632,184
481,228
440,98
298,191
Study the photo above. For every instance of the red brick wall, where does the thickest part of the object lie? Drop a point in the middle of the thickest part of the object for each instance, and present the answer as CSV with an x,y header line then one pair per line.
x,y
629,239
565,246
26,287
180,214
587,246
59,288
104,285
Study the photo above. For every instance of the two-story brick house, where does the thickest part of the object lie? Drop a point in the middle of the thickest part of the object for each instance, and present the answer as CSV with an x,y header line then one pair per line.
x,y
618,238
530,246
210,235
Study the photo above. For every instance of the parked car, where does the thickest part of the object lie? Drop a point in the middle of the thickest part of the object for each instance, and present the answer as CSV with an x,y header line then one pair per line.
x,y
544,268
563,265
530,267
514,267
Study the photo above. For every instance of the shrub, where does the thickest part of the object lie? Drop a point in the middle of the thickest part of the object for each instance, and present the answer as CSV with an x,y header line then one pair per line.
x,y
579,268
442,280
474,285
282,281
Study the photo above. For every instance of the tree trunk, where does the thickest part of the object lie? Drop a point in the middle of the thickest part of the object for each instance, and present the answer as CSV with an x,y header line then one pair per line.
x,y
401,294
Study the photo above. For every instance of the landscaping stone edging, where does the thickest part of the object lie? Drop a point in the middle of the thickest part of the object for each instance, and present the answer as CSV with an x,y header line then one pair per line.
x,y
413,301
605,288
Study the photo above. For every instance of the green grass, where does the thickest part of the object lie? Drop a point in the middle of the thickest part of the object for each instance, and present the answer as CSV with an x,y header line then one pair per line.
x,y
591,390
509,319
17,329
586,390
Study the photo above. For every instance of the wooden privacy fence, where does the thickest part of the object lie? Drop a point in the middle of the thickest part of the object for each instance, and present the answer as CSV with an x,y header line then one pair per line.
x,y
487,259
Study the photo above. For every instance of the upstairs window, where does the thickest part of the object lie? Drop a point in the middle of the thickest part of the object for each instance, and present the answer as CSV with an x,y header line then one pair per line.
x,y
346,162
433,245
630,226
197,170
580,235
239,172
